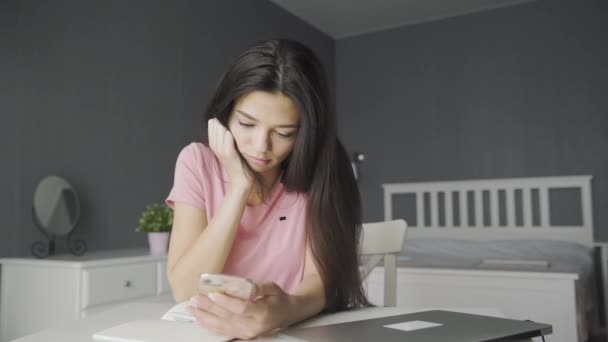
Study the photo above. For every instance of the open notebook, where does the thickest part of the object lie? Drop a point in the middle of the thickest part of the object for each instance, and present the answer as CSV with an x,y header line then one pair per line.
x,y
175,323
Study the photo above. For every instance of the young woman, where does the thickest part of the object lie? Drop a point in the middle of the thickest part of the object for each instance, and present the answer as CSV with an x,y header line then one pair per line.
x,y
272,198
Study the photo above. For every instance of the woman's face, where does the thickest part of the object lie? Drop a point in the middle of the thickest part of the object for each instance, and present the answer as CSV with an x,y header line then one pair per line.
x,y
264,126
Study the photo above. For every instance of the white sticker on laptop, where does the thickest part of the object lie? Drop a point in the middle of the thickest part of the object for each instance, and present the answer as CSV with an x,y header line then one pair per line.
x,y
413,325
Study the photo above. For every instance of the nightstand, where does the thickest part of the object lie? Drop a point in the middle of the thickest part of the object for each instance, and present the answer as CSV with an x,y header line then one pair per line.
x,y
41,293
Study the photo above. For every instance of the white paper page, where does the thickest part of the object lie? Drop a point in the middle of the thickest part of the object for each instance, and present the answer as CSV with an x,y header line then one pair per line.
x,y
158,331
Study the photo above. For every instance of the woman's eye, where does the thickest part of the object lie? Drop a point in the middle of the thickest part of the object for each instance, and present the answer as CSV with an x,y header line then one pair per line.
x,y
245,124
285,135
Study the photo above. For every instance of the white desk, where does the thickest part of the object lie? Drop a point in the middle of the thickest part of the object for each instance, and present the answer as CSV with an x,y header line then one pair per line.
x,y
81,330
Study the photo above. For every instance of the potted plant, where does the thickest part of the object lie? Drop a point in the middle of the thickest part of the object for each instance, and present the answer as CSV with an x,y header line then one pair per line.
x,y
156,220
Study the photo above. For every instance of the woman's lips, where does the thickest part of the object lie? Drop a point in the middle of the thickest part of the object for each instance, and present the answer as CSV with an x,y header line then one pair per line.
x,y
258,161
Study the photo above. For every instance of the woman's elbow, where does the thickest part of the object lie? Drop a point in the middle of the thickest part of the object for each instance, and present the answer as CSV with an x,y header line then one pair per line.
x,y
178,290
180,294
179,297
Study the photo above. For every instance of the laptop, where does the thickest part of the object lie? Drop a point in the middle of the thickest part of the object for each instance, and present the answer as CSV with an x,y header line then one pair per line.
x,y
424,326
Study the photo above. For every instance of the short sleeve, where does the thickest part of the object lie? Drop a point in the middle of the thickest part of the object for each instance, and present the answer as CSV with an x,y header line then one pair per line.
x,y
188,186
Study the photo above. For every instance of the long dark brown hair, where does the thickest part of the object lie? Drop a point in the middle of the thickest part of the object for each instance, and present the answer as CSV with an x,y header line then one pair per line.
x,y
318,165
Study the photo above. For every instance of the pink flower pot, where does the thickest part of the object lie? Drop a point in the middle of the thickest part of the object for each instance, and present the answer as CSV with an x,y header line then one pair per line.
x,y
158,242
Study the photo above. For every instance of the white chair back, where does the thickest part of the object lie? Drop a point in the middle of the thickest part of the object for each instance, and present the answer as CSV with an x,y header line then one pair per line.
x,y
383,240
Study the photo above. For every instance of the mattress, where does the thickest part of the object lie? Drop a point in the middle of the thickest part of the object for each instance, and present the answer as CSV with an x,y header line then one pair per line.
x,y
526,255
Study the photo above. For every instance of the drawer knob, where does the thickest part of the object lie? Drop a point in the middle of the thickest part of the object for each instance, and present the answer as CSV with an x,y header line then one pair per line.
x,y
127,283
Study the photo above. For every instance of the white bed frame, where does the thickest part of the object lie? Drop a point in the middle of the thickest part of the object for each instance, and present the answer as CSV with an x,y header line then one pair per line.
x,y
547,297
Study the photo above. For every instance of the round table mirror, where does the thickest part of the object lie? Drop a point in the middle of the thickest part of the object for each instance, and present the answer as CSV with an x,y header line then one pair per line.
x,y
56,211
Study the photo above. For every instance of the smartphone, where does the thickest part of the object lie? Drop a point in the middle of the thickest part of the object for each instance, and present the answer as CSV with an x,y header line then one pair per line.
x,y
234,286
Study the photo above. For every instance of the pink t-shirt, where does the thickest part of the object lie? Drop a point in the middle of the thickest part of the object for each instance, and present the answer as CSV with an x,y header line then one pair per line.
x,y
270,243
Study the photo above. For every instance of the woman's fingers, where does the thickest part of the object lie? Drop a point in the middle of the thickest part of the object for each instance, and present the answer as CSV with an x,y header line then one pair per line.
x,y
233,305
220,139
211,134
208,320
228,143
222,143
232,326
208,305
214,132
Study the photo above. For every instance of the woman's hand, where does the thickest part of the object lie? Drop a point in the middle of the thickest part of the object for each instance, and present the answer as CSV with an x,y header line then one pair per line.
x,y
243,319
222,144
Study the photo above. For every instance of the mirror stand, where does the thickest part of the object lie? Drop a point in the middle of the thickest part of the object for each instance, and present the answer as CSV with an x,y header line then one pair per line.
x,y
76,247
43,249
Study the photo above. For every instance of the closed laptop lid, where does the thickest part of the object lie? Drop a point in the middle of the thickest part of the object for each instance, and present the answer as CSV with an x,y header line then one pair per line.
x,y
425,326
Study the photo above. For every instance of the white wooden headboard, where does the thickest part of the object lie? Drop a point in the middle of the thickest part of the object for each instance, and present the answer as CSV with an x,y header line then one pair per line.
x,y
477,230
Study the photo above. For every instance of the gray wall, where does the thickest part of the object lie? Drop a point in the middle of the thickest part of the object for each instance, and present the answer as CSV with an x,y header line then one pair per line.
x,y
8,106
515,92
106,93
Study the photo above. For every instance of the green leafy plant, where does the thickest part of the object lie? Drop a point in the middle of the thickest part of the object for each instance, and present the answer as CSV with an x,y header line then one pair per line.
x,y
156,218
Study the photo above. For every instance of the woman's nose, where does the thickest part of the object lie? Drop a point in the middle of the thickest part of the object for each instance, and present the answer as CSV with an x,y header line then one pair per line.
x,y
262,142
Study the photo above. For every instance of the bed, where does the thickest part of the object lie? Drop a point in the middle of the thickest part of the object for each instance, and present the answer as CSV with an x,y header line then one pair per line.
x,y
495,243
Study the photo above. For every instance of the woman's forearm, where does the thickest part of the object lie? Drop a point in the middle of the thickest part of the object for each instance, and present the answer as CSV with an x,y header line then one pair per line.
x,y
211,248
